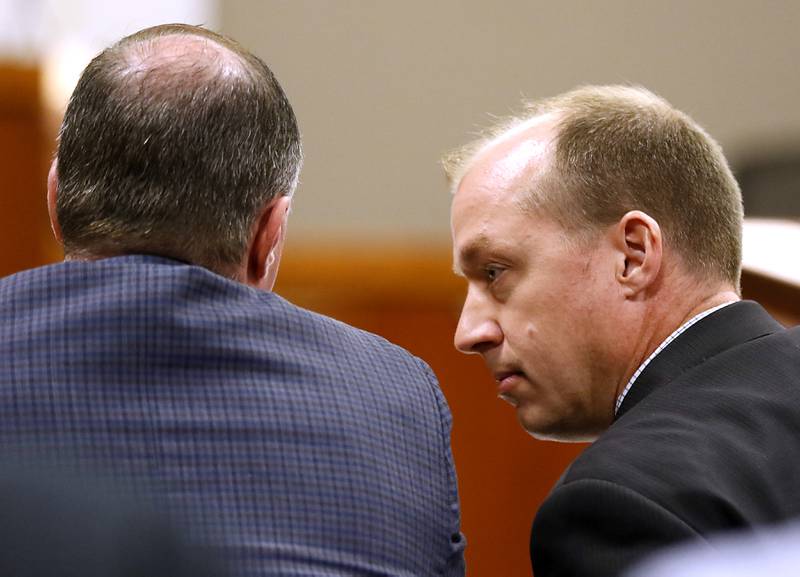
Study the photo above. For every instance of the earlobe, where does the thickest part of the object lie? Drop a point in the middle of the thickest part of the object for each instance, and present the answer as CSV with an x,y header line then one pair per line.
x,y
266,246
52,192
640,245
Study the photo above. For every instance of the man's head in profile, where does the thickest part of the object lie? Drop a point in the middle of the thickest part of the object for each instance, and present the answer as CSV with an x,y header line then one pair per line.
x,y
588,230
177,142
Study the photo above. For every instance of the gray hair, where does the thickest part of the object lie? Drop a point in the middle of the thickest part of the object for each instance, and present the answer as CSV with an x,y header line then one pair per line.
x,y
174,140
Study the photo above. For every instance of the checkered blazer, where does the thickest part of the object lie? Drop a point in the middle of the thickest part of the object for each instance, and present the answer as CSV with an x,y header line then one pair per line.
x,y
295,444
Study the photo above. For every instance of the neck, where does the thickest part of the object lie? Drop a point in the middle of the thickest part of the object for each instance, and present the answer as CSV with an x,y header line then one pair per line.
x,y
664,316
713,300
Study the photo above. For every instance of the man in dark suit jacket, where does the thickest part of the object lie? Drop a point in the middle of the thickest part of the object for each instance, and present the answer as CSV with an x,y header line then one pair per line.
x,y
600,237
158,355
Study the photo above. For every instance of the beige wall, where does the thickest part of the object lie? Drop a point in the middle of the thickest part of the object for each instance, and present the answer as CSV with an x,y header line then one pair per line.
x,y
382,88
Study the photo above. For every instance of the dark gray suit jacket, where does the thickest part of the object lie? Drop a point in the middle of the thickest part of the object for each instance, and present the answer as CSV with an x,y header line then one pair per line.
x,y
707,439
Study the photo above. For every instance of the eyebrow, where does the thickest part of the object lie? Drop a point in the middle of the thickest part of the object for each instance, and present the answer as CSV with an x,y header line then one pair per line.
x,y
469,253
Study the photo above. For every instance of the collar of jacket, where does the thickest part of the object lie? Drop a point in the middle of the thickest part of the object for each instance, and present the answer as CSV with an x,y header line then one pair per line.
x,y
732,325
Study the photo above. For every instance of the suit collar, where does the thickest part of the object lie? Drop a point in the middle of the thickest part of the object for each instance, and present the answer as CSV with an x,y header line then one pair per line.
x,y
730,326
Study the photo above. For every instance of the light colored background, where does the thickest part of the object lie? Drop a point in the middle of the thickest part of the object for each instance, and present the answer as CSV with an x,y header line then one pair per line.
x,y
383,88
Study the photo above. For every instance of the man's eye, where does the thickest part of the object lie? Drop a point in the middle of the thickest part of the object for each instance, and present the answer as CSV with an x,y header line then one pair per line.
x,y
492,272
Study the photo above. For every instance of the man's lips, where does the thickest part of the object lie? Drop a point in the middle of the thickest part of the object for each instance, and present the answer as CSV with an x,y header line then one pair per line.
x,y
507,380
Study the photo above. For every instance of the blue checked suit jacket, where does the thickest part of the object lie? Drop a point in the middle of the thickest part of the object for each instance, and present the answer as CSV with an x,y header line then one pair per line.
x,y
295,444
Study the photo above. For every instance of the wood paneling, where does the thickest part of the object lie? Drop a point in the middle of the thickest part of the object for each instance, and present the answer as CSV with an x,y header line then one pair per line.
x,y
780,298
24,228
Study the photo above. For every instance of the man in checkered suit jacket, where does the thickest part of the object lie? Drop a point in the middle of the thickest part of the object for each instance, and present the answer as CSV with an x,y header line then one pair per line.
x,y
156,354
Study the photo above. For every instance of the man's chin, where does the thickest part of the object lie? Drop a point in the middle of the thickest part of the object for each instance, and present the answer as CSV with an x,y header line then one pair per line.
x,y
508,399
544,430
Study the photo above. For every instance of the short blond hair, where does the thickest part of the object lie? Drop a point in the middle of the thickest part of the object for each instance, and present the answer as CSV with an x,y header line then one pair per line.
x,y
622,148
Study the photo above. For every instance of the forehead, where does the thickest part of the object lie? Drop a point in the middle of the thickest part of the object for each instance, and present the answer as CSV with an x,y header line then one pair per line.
x,y
516,154
490,207
501,174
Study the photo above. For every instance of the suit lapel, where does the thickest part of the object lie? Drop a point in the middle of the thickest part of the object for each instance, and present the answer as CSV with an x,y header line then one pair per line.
x,y
730,326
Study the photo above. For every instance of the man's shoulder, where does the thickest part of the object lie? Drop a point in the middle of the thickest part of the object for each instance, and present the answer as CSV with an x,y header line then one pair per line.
x,y
702,443
719,400
146,289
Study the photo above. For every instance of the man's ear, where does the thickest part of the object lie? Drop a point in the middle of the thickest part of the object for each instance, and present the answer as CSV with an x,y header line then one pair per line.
x,y
52,192
637,238
264,252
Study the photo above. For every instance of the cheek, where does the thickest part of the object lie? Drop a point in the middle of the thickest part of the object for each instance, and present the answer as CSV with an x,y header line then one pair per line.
x,y
547,325
557,322
559,348
545,340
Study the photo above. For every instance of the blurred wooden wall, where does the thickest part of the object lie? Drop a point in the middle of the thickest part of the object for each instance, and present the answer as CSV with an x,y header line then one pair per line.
x,y
780,298
25,148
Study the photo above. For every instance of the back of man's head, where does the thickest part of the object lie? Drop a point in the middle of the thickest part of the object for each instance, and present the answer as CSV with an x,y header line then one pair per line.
x,y
173,142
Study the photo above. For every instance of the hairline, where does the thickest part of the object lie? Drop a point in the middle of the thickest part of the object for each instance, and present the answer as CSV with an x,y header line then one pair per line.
x,y
567,107
508,129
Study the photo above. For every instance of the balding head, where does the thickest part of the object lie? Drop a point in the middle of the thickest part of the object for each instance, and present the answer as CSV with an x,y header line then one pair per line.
x,y
174,141
616,149
587,232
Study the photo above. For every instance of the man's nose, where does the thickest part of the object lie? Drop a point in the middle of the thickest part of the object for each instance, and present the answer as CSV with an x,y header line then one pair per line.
x,y
477,330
